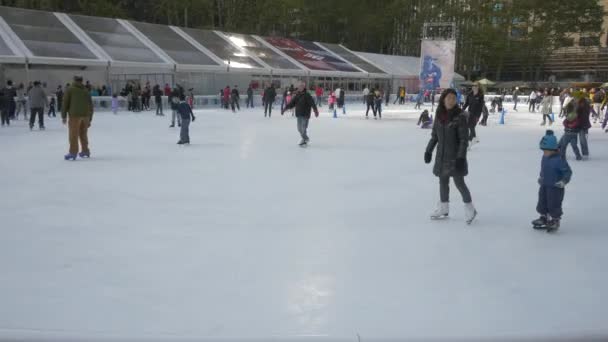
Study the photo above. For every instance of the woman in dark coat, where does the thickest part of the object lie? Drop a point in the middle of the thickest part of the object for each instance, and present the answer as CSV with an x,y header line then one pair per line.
x,y
451,136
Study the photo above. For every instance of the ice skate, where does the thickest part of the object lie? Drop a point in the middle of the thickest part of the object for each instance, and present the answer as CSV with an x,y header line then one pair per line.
x,y
441,212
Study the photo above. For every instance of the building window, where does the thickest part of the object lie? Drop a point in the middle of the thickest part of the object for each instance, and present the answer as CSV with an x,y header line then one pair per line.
x,y
518,32
566,42
589,41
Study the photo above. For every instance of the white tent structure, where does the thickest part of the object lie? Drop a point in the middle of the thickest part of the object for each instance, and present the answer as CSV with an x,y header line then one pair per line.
x,y
51,47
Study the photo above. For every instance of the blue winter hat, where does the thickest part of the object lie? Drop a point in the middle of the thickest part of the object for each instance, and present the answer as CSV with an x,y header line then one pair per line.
x,y
549,141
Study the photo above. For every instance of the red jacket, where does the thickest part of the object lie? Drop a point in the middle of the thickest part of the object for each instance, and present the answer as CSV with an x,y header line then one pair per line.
x,y
319,91
574,124
167,91
226,93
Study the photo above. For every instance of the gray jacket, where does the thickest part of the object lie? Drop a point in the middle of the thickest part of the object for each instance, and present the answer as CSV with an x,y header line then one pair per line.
x,y
452,140
37,98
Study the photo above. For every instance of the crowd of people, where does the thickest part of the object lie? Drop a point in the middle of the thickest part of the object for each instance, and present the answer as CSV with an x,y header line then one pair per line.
x,y
453,124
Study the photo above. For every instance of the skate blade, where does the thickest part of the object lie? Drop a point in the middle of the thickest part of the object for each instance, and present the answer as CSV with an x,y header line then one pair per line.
x,y
472,218
439,218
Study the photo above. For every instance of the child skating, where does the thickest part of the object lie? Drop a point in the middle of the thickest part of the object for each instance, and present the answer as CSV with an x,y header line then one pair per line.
x,y
555,173
114,104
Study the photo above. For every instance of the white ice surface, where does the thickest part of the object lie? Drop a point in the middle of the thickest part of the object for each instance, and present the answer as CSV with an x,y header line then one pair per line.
x,y
245,235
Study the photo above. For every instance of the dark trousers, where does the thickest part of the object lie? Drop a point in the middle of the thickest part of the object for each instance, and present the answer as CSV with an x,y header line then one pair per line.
x,y
550,200
235,102
569,138
5,117
531,105
159,107
51,111
12,106
249,101
582,136
184,133
472,125
40,112
444,189
59,102
302,127
484,119
373,108
515,104
318,102
379,109
268,108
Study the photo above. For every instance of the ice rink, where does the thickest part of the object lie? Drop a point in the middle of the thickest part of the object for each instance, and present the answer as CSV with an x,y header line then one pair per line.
x,y
244,235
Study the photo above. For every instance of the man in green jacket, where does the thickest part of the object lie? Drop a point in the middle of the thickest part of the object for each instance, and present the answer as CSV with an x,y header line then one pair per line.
x,y
77,103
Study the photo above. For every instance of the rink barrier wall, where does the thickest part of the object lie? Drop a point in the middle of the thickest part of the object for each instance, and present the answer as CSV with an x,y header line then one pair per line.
x,y
103,103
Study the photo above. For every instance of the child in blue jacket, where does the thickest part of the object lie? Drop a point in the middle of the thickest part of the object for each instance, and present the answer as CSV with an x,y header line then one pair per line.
x,y
555,173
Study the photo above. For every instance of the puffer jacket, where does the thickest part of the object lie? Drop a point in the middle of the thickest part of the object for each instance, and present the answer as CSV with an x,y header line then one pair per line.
x,y
451,136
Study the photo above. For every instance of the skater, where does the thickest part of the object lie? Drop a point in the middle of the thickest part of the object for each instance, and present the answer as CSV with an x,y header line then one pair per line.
x,y
598,99
515,98
190,99
227,93
583,110
365,94
7,103
555,173
484,111
605,105
52,107
303,103
59,95
572,128
532,101
173,101
115,104
425,121
319,95
288,98
450,134
38,102
249,97
419,100
269,96
378,103
185,112
331,101
475,102
341,95
158,100
371,101
547,108
387,96
21,102
77,103
234,99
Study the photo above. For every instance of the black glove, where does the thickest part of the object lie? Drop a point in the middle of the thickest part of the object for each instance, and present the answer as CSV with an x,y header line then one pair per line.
x,y
427,157
193,118
460,164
